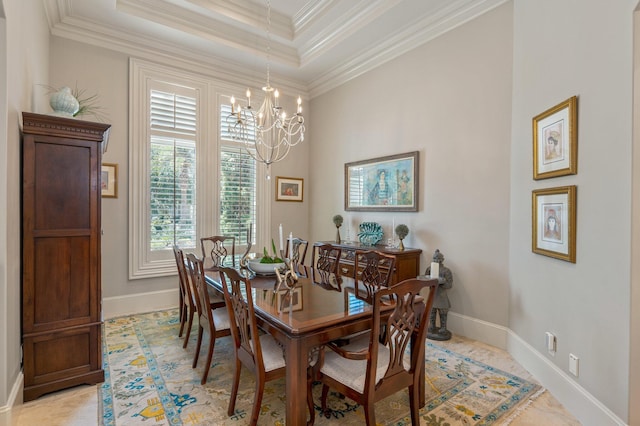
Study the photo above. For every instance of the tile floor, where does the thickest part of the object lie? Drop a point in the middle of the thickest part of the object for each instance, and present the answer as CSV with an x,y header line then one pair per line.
x,y
79,406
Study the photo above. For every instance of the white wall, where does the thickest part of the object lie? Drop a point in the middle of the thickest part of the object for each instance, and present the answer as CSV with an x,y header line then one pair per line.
x,y
24,63
563,49
450,100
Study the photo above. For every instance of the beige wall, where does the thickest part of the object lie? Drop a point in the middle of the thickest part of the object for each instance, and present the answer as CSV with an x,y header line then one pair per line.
x,y
450,100
563,49
24,63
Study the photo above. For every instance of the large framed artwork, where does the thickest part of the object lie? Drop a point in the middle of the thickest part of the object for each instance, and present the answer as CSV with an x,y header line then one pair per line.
x,y
554,222
555,141
382,184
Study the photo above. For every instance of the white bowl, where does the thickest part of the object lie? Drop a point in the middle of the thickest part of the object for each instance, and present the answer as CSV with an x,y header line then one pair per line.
x,y
264,268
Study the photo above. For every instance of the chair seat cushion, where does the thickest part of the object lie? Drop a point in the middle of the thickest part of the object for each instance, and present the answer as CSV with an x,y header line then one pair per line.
x,y
350,372
221,319
272,355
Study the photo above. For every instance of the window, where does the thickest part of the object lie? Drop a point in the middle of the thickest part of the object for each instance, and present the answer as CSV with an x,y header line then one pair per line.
x,y
172,177
188,178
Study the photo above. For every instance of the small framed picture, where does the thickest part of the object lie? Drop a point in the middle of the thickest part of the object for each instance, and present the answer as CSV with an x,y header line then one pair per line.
x,y
555,141
109,180
289,189
289,300
554,222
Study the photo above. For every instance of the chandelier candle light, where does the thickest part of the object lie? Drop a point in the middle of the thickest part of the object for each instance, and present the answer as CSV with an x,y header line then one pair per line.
x,y
267,133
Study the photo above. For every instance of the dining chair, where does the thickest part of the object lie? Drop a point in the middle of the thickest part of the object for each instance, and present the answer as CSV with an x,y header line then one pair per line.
x,y
215,251
258,352
386,368
326,258
213,319
187,305
299,250
372,270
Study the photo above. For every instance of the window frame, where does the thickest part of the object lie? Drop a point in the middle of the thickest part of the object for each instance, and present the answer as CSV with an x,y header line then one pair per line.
x,y
143,76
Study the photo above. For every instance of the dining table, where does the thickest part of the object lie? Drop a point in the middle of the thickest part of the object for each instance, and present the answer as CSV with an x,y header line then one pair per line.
x,y
303,316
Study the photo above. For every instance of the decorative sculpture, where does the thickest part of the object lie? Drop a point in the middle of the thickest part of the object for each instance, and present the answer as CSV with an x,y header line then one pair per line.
x,y
441,302
337,221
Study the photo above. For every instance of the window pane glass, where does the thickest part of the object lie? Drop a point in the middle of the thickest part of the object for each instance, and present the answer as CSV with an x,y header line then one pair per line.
x,y
237,193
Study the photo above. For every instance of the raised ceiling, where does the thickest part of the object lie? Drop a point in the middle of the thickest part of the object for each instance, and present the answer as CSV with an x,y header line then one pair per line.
x,y
314,45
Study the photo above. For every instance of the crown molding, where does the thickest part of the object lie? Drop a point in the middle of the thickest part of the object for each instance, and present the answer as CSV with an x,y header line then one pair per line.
x,y
411,37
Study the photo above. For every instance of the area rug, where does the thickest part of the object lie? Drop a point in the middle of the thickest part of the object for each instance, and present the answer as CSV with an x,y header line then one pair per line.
x,y
149,381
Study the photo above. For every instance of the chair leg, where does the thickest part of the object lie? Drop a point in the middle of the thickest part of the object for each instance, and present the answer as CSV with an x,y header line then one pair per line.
x,y
323,399
257,401
189,325
413,405
234,388
195,358
207,365
312,411
182,316
370,413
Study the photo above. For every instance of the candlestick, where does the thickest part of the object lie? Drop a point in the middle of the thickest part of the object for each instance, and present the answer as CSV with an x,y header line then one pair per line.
x,y
290,246
281,244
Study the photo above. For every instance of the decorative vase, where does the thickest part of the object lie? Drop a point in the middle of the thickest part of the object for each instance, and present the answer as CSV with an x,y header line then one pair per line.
x,y
401,245
338,234
64,104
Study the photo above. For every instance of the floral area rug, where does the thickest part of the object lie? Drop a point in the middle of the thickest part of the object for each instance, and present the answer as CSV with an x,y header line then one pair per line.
x,y
149,381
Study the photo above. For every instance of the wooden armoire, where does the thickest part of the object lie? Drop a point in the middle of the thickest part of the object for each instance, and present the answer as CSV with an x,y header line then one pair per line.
x,y
61,295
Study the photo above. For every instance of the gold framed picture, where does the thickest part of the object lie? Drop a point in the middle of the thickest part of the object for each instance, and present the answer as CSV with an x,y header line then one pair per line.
x,y
109,180
555,141
289,189
554,222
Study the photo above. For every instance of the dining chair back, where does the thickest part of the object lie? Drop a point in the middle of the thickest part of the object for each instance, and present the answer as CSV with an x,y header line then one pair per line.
x,y
327,260
387,368
210,318
372,270
258,352
299,250
217,251
187,297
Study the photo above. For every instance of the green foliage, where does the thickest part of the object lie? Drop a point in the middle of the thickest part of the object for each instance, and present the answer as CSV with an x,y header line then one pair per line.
x,y
402,231
337,220
266,258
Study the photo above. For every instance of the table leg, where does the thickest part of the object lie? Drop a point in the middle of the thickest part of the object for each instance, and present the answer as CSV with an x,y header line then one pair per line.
x,y
296,382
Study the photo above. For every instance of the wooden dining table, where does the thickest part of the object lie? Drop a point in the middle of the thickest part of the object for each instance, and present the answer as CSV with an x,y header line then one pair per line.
x,y
303,318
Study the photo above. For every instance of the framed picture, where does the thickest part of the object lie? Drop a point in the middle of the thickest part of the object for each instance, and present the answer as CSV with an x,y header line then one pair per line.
x,y
554,222
555,141
289,189
289,300
382,184
109,180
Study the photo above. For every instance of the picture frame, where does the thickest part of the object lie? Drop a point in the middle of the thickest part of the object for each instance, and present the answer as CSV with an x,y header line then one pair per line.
x,y
289,300
382,184
554,222
289,189
109,180
555,141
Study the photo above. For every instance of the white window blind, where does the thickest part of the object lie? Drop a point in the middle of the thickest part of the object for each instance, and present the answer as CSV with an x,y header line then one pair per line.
x,y
172,173
237,184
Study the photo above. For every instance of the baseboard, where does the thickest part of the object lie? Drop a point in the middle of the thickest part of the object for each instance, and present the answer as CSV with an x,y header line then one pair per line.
x,y
577,400
138,303
15,398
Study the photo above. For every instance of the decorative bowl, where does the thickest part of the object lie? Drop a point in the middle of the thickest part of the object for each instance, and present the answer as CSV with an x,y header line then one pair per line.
x,y
263,268
370,233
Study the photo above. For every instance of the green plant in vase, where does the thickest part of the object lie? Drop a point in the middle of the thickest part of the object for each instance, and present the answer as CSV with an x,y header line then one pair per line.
x,y
401,231
337,221
266,258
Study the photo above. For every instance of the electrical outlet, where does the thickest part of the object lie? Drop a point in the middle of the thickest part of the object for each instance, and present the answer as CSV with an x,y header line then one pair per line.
x,y
551,343
573,364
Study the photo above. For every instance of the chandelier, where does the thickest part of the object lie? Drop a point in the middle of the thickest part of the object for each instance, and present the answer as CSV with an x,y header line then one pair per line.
x,y
268,133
